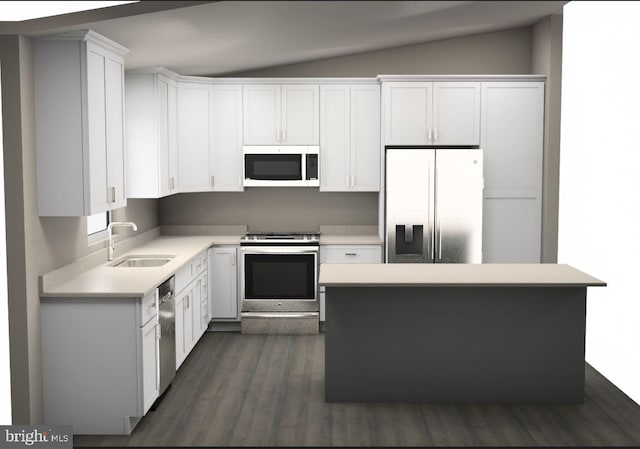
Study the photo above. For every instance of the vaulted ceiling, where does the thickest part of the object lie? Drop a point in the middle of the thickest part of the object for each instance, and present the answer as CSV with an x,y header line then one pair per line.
x,y
215,38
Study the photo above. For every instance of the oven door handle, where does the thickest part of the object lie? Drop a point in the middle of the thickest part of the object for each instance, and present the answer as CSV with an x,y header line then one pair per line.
x,y
280,251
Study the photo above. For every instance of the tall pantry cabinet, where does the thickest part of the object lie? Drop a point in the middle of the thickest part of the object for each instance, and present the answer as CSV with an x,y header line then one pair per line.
x,y
79,120
512,139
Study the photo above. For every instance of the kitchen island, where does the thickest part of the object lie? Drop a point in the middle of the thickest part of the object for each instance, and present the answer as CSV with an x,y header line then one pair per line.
x,y
455,332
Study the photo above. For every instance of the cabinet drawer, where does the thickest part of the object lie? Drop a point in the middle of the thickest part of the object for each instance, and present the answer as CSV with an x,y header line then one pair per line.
x,y
199,263
184,277
351,254
190,271
149,308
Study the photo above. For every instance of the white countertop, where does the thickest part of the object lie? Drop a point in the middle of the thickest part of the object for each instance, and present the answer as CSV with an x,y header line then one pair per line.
x,y
454,275
350,240
107,281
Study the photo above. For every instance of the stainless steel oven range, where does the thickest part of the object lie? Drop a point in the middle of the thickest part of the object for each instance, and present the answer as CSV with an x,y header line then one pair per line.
x,y
279,280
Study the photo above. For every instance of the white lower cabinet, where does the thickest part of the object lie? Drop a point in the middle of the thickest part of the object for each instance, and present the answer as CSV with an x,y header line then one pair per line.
x,y
205,314
150,362
100,362
191,284
200,321
223,278
347,254
184,324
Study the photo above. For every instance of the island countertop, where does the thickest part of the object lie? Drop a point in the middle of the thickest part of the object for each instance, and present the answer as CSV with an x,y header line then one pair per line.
x,y
454,275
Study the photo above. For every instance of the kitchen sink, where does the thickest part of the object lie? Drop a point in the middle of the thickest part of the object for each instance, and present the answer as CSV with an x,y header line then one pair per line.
x,y
142,261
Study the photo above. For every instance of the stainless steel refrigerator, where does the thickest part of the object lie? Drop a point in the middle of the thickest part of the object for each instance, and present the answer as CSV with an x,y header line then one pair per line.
x,y
433,205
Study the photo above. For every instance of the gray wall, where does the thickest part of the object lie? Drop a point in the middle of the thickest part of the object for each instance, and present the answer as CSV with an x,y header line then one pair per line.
x,y
500,52
35,245
547,59
271,209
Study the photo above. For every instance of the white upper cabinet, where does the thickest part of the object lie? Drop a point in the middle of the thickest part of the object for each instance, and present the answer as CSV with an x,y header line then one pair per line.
x,y
151,134
335,142
300,112
114,106
350,137
209,137
365,138
226,138
262,110
431,113
79,113
407,113
281,114
456,113
194,137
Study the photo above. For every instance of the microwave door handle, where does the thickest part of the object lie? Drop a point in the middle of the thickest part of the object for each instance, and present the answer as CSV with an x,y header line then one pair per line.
x,y
303,169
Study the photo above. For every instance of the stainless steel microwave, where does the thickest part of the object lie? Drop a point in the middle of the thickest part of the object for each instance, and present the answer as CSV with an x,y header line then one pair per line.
x,y
281,166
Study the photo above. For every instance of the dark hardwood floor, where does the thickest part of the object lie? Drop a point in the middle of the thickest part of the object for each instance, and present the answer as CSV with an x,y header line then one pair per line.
x,y
255,390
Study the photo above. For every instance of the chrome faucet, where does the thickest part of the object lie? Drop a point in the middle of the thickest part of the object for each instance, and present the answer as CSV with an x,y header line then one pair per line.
x,y
112,243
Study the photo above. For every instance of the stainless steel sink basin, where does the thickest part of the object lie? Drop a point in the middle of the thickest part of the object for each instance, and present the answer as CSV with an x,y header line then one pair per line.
x,y
143,261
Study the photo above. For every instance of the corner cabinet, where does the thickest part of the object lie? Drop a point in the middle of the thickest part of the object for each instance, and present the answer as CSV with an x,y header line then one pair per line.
x,y
284,114
151,133
350,137
79,120
431,113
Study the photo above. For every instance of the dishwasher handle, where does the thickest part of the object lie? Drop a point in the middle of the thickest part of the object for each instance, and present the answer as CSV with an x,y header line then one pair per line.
x,y
167,297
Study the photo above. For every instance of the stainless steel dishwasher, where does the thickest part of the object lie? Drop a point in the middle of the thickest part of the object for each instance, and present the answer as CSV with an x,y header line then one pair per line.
x,y
167,312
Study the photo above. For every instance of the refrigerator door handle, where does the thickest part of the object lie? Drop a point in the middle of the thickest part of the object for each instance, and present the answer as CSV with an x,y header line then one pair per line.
x,y
408,233
439,242
431,229
436,222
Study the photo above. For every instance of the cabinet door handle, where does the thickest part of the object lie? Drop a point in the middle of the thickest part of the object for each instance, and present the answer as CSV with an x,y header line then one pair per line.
x,y
435,134
186,300
353,181
213,181
113,194
233,259
278,135
350,254
171,183
284,135
346,181
429,134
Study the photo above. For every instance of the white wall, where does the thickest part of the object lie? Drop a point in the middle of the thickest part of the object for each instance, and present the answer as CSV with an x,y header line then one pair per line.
x,y
599,216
